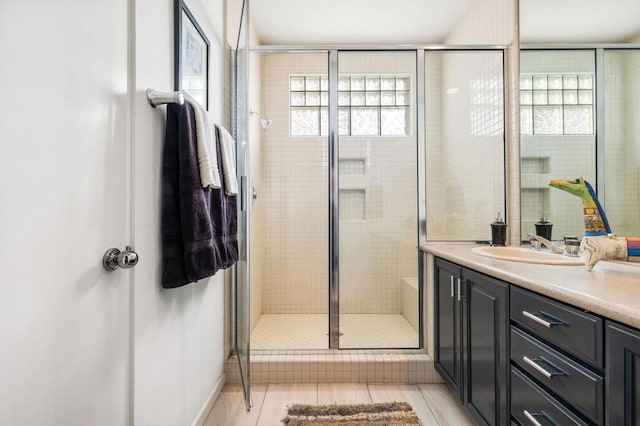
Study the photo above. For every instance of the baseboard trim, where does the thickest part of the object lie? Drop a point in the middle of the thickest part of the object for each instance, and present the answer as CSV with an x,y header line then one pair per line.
x,y
208,405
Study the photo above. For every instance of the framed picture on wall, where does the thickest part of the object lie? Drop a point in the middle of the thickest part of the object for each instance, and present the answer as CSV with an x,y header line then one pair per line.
x,y
191,55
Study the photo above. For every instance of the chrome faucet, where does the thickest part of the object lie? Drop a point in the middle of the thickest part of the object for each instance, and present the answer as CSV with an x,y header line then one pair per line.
x,y
554,248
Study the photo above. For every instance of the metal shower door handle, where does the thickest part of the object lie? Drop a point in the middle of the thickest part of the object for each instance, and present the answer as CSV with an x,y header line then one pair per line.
x,y
114,259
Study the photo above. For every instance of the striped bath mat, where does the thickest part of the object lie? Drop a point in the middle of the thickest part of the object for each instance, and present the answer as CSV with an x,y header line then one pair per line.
x,y
385,413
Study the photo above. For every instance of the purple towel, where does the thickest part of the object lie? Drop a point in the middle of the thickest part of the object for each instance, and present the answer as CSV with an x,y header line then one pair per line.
x,y
199,225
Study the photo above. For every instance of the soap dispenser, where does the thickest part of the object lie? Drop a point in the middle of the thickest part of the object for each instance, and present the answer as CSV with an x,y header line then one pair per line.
x,y
498,232
543,227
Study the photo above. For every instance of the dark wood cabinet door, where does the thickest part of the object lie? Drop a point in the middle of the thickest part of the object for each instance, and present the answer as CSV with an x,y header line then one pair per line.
x,y
622,374
448,331
486,350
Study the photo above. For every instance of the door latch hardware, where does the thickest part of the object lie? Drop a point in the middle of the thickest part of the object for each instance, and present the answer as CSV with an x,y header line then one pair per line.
x,y
114,259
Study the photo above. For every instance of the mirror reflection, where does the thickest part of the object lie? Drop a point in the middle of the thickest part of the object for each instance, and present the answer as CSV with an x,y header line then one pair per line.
x,y
580,111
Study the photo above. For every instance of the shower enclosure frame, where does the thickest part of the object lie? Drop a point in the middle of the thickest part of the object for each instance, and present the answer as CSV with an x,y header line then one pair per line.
x,y
333,175
240,279
419,116
240,272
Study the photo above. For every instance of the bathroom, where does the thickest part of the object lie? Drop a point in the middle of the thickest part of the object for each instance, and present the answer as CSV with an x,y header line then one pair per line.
x,y
87,346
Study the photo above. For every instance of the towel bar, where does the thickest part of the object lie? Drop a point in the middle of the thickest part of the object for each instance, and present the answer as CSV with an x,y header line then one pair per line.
x,y
157,98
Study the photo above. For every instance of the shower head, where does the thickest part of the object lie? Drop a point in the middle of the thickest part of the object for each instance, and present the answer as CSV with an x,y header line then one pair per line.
x,y
264,122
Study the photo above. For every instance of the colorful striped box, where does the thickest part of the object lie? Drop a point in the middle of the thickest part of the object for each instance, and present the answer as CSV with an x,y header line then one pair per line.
x,y
633,249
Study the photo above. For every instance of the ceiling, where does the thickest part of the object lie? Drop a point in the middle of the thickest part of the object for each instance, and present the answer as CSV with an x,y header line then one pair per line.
x,y
292,22
305,22
579,21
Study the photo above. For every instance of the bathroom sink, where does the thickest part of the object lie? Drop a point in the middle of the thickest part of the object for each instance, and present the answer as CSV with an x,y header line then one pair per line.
x,y
618,266
522,254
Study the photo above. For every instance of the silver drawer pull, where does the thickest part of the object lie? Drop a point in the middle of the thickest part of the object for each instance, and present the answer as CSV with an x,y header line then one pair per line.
x,y
459,295
548,324
549,375
452,290
532,418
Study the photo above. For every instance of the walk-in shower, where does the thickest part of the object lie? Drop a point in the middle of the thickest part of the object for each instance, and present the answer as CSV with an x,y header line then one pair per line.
x,y
341,182
365,159
376,191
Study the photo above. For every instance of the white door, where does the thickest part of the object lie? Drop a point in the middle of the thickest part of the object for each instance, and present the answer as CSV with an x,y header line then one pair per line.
x,y
64,200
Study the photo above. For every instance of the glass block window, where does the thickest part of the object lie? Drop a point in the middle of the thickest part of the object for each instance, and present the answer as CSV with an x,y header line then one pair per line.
x,y
556,104
368,105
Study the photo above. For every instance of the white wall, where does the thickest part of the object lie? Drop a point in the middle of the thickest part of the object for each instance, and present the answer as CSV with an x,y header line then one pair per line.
x,y
80,345
178,337
486,22
64,121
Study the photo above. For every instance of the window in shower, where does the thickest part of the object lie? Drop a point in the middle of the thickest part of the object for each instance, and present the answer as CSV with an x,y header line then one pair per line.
x,y
558,139
556,104
309,97
369,105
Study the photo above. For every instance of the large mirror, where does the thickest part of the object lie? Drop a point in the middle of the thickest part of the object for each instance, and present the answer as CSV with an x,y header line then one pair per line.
x,y
580,110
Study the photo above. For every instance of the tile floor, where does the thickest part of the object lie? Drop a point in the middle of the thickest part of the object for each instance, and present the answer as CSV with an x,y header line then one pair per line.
x,y
309,331
434,403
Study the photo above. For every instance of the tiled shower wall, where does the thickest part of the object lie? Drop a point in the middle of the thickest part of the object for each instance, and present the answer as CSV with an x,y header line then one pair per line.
x,y
379,206
377,252
622,135
293,196
379,249
546,157
495,22
465,143
295,245
631,227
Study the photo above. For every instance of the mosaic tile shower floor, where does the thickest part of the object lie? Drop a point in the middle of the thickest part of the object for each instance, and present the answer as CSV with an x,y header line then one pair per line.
x,y
309,331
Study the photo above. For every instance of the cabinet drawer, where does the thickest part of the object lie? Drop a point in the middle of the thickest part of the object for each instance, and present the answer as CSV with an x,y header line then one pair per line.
x,y
578,386
577,332
530,404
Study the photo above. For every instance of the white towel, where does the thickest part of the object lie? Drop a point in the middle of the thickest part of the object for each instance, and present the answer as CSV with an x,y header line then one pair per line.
x,y
228,153
207,153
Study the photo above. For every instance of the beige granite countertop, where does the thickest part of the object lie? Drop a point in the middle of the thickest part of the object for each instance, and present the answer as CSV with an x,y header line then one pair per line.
x,y
610,290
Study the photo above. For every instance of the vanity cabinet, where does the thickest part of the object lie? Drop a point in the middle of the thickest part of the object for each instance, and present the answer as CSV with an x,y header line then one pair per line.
x,y
471,340
448,326
514,356
623,375
556,355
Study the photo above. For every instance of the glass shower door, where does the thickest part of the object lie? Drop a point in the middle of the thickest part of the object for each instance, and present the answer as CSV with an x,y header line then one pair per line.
x,y
377,196
289,280
240,281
